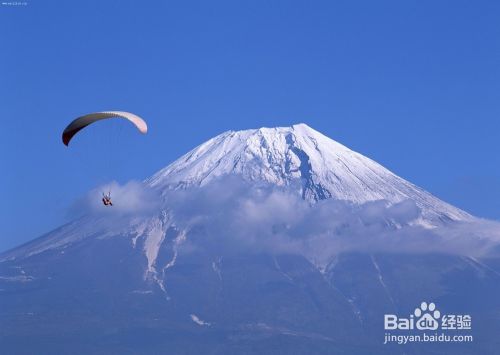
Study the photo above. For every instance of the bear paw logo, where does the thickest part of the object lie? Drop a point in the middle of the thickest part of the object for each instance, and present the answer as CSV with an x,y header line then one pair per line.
x,y
428,316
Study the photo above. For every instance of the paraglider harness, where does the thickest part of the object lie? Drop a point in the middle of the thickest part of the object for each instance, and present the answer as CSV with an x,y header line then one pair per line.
x,y
106,199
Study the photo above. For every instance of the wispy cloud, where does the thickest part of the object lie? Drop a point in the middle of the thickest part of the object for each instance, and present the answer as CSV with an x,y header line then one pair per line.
x,y
230,215
131,198
235,215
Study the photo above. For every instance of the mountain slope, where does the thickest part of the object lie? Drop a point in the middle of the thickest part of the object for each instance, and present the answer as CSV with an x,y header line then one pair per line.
x,y
218,268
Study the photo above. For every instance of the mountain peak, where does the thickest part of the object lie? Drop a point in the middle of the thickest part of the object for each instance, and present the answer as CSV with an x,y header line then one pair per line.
x,y
298,156
303,127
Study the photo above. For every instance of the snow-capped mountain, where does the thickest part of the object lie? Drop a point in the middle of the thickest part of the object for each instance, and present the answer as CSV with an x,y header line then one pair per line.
x,y
228,269
299,156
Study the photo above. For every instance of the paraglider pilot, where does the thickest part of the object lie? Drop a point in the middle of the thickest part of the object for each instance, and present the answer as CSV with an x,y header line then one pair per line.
x,y
106,199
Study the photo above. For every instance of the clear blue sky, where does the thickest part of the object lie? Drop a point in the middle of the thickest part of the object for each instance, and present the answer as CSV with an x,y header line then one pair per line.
x,y
414,85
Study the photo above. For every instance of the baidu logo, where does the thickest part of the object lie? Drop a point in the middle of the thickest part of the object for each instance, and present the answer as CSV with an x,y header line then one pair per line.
x,y
426,317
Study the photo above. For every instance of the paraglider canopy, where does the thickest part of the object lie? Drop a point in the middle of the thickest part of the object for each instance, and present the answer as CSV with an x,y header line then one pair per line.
x,y
83,121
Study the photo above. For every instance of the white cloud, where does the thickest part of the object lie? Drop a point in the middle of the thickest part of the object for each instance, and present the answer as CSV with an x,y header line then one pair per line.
x,y
231,215
234,215
131,198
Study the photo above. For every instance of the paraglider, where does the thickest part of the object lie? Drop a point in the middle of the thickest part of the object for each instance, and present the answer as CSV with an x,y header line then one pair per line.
x,y
83,121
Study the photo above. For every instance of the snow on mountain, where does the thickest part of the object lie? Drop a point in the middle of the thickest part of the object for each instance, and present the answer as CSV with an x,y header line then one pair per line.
x,y
299,155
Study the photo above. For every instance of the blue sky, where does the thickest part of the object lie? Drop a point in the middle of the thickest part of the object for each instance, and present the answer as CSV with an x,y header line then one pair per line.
x,y
414,85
